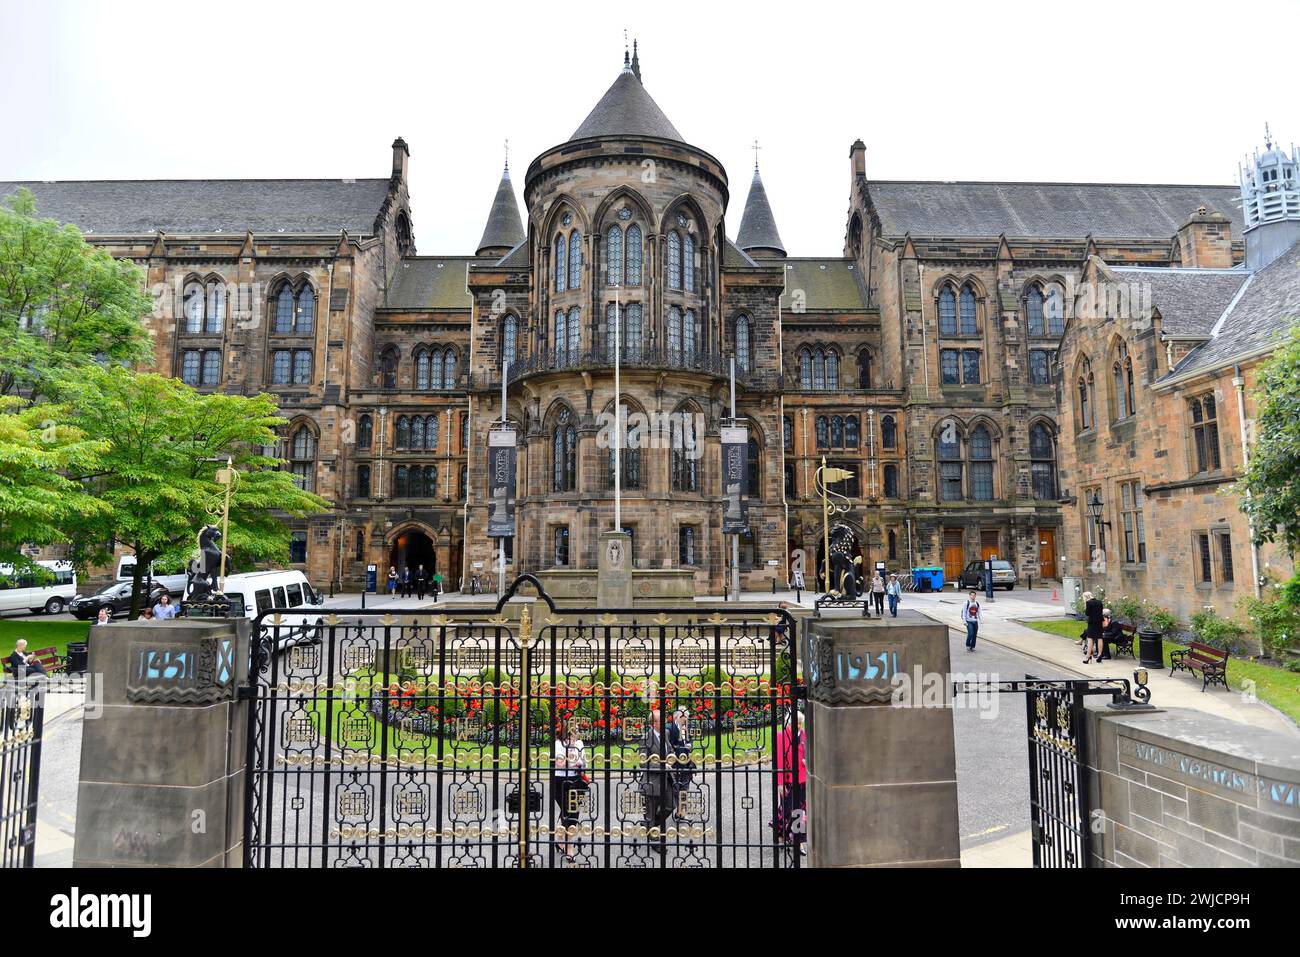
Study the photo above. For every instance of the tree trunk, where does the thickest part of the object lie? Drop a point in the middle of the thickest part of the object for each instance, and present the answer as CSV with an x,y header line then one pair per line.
x,y
142,561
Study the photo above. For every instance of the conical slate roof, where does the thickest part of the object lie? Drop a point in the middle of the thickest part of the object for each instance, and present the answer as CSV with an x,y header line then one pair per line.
x,y
758,225
505,228
626,109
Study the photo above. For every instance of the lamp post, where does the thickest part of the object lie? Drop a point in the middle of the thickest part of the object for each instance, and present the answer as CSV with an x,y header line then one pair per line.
x,y
229,477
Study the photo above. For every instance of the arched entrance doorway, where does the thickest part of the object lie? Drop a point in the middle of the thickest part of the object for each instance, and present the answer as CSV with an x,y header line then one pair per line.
x,y
412,548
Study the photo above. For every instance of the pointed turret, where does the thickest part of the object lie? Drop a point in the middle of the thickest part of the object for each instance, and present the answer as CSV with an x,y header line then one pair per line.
x,y
758,235
505,228
627,109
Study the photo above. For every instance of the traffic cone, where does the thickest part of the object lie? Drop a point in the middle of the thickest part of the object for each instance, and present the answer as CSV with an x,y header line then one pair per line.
x,y
1054,598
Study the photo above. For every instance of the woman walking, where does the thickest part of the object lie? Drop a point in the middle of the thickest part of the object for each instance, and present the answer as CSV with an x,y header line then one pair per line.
x,y
568,781
971,615
392,581
895,591
878,594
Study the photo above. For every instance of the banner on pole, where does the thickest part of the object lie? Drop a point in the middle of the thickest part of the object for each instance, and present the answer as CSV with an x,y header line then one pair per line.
x,y
501,483
735,478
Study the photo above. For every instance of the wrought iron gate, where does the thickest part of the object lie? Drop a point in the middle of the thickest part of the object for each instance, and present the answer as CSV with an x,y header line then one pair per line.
x,y
413,740
1058,780
22,716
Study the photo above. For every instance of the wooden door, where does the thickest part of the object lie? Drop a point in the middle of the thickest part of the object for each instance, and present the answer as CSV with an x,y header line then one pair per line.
x,y
954,554
989,544
1047,553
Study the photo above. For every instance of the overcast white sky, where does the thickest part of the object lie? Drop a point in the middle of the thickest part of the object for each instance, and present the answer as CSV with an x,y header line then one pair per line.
x,y
1112,92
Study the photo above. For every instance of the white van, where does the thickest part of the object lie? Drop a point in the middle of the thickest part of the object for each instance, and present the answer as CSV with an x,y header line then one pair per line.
x,y
24,591
255,592
175,584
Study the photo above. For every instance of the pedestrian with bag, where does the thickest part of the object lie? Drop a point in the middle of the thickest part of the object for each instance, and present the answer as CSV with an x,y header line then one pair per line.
x,y
894,591
878,594
973,617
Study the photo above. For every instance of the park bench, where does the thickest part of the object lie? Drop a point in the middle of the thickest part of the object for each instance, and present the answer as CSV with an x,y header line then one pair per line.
x,y
1210,662
49,658
1123,642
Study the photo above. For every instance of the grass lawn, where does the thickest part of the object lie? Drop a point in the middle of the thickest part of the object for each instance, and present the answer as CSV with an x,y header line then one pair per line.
x,y
1275,686
41,634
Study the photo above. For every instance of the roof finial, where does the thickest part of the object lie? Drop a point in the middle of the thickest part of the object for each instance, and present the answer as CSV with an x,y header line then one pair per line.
x,y
1268,137
507,154
625,60
756,148
636,62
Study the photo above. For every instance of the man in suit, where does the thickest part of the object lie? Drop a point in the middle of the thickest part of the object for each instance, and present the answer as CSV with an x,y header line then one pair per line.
x,y
656,786
406,582
22,664
421,582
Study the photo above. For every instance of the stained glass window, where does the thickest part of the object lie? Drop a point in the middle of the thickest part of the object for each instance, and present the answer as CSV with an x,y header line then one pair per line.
x,y
634,255
674,260
614,256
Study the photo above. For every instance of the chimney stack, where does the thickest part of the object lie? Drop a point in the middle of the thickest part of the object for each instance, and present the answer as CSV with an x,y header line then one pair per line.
x,y
1205,240
400,157
858,159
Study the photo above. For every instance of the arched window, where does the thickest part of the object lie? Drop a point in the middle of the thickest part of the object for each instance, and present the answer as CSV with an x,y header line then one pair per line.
x,y
509,339
363,481
864,369
305,311
742,343
689,336
614,256
891,481
422,364
431,432
561,262
950,466
832,371
819,370
674,334
837,432
981,465
216,307
888,432
302,458
754,470
851,431
688,263
430,489
402,433
365,431
575,333
575,259
1121,390
674,268
448,370
417,432
787,433
284,310
1042,465
685,452
193,307
560,336
1085,389
1034,311
805,368
564,445
947,312
464,432
1055,311
823,432
629,462
388,368
633,255
969,326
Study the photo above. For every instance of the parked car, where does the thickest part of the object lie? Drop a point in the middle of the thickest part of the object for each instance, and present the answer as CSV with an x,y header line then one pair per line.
x,y
48,588
256,592
116,598
972,576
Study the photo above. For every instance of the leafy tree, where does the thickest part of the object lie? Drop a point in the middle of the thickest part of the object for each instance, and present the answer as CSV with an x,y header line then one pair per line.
x,y
157,478
1272,483
64,304
38,502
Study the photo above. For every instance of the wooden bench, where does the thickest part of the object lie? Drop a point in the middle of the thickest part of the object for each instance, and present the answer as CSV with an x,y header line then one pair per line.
x,y
49,659
1210,662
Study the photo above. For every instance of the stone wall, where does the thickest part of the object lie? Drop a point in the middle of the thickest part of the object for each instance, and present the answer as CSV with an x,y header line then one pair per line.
x,y
1181,788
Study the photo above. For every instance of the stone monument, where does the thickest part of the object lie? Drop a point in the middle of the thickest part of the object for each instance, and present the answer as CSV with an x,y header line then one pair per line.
x,y
614,571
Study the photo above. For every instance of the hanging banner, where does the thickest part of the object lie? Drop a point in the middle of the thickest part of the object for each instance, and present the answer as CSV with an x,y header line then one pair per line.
x,y
735,478
501,483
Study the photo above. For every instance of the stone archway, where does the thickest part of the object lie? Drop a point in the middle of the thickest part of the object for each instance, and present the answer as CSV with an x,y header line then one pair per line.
x,y
410,547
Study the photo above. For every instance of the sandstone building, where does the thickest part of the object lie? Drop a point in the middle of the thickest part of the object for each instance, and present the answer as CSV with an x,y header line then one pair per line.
x,y
921,359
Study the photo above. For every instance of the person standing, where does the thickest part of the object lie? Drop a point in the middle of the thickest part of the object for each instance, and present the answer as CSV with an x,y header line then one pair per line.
x,y
654,778
1093,611
894,591
421,582
792,778
971,615
406,581
878,594
164,610
568,781
392,580
679,742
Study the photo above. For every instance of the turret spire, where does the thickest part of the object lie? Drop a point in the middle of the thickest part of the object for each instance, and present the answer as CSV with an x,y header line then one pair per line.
x,y
505,228
758,234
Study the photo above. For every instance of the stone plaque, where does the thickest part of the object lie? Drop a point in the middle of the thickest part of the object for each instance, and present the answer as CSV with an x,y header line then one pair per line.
x,y
181,672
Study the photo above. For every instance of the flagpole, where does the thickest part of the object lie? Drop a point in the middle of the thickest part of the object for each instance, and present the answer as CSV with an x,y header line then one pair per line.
x,y
618,420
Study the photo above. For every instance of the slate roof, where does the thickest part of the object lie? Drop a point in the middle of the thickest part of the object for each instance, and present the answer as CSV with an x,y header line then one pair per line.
x,y
505,227
206,206
1190,301
757,224
627,109
733,257
1045,210
431,282
832,285
1269,303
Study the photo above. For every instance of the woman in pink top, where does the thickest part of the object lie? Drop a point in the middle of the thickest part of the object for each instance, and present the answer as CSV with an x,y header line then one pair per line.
x,y
791,820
